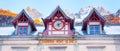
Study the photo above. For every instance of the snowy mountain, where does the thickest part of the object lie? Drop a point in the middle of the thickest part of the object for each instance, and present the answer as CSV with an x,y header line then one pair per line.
x,y
34,13
85,11
6,16
118,13
78,16
68,13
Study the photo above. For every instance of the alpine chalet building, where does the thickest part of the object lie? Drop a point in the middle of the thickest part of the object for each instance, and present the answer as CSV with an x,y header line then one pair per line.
x,y
60,34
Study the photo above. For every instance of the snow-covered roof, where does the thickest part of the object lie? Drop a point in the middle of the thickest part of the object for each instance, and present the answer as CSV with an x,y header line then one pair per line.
x,y
88,14
58,8
108,29
26,14
23,11
91,12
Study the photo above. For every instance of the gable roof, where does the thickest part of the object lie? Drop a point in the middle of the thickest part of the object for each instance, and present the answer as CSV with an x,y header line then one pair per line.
x,y
26,14
58,8
46,20
84,23
91,12
29,18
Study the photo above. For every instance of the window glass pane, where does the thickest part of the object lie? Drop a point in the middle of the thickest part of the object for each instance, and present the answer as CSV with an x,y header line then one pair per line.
x,y
97,32
22,30
21,33
92,32
94,29
25,30
91,28
97,28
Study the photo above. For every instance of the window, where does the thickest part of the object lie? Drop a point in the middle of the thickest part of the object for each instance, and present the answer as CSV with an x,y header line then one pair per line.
x,y
19,49
22,30
94,29
95,49
57,48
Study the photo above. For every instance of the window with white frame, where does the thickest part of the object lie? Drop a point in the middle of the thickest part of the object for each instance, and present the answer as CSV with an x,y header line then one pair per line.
x,y
94,29
19,49
22,30
57,48
95,49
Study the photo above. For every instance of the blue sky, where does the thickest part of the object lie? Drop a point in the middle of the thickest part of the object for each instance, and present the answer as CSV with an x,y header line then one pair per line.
x,y
47,6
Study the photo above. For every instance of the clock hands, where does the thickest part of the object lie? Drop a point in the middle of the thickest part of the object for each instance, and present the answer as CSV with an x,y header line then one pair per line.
x,y
58,24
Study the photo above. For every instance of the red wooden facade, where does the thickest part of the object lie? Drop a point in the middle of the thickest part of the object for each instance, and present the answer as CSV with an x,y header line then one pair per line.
x,y
58,15
23,17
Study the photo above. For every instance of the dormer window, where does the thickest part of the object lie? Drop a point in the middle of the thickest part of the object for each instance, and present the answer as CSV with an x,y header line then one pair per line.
x,y
24,25
93,24
94,28
22,30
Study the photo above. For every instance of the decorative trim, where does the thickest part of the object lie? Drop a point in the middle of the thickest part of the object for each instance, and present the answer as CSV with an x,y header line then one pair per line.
x,y
23,24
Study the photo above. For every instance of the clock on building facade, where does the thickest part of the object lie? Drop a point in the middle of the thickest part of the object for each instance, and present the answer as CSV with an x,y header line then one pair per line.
x,y
58,25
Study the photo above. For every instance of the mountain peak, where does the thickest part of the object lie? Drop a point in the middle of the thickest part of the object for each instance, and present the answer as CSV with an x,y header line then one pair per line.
x,y
118,13
34,13
100,9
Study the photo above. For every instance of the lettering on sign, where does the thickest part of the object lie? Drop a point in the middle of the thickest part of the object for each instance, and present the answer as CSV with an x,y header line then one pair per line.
x,y
57,41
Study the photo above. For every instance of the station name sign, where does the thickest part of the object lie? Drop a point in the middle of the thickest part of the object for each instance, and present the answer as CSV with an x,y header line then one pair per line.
x,y
57,41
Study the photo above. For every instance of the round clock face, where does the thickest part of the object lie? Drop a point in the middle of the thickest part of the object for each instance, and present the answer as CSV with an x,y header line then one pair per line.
x,y
58,25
